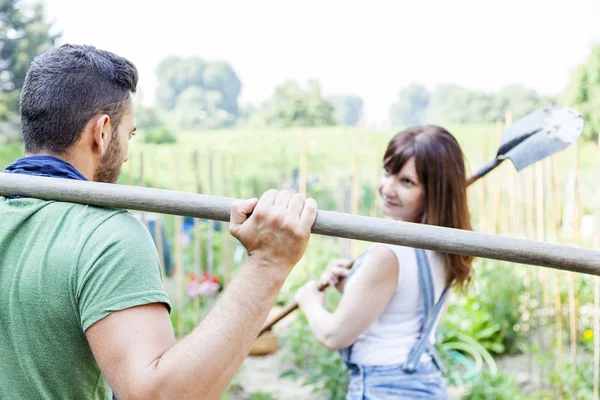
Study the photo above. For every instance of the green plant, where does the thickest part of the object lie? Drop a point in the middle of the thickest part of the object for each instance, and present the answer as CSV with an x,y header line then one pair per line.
x,y
494,386
502,292
316,364
261,396
467,317
575,383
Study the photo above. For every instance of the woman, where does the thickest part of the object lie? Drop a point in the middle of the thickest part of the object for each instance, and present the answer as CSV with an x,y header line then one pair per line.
x,y
392,299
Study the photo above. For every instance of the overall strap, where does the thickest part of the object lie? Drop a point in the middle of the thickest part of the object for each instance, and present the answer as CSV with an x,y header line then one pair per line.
x,y
431,312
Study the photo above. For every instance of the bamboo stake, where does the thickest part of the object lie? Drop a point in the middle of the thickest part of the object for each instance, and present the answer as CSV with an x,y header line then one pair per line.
x,y
344,194
597,318
160,248
226,235
211,225
354,190
282,166
497,192
328,223
571,276
529,218
302,185
142,183
197,239
596,327
481,208
179,266
539,180
303,170
555,274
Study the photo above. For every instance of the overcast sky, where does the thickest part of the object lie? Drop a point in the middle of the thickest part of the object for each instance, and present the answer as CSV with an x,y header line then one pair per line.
x,y
367,48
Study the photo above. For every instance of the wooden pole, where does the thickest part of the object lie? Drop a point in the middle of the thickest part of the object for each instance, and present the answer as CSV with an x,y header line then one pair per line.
x,y
555,274
142,182
303,163
160,245
226,235
531,281
328,223
179,265
497,192
354,189
197,238
481,207
539,207
571,276
302,186
596,326
211,227
596,317
344,206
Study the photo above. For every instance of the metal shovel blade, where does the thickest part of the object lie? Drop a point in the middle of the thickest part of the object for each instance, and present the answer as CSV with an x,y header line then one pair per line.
x,y
540,134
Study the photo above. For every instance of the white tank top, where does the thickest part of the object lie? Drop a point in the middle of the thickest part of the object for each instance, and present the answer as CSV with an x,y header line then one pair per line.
x,y
390,338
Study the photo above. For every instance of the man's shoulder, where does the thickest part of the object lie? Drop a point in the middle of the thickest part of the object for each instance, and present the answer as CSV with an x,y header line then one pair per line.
x,y
93,215
87,220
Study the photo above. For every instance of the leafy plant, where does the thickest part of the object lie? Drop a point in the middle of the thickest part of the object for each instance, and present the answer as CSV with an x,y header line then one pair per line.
x,y
320,366
261,396
494,386
467,317
575,383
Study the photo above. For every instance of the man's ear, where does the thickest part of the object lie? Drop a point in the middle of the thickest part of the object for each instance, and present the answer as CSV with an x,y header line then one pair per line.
x,y
101,134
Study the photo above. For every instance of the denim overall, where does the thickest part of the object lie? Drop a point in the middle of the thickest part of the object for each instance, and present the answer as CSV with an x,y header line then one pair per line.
x,y
410,379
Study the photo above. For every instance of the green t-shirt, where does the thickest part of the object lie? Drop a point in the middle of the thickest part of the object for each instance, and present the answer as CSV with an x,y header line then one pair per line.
x,y
63,267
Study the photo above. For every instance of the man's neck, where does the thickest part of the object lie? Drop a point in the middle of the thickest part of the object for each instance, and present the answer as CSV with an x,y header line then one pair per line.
x,y
80,163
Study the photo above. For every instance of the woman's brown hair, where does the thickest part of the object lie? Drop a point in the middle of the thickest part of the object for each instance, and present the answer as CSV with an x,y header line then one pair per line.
x,y
440,168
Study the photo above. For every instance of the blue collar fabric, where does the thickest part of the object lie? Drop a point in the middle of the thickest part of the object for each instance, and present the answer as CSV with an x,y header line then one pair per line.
x,y
44,165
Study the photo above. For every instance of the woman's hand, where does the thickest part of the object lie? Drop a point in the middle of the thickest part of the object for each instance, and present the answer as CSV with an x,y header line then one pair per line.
x,y
309,295
336,274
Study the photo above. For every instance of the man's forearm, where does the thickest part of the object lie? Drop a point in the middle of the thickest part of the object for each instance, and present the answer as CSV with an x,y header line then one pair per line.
x,y
203,363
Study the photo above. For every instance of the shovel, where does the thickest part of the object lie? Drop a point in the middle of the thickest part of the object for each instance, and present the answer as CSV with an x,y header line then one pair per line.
x,y
530,139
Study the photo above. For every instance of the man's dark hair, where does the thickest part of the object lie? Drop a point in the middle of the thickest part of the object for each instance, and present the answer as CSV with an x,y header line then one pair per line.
x,y
65,87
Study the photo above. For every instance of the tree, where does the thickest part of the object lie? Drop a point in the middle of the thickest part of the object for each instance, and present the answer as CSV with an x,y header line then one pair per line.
x,y
454,104
212,89
584,93
410,107
348,109
221,78
293,106
449,104
519,100
23,35
175,74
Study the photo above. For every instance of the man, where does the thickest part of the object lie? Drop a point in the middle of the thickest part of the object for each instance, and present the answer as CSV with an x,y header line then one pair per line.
x,y
83,311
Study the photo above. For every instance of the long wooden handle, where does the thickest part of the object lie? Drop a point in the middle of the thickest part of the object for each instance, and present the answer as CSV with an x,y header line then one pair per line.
x,y
291,307
329,223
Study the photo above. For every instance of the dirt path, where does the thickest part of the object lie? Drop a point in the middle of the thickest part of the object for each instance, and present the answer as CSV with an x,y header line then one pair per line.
x,y
260,374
